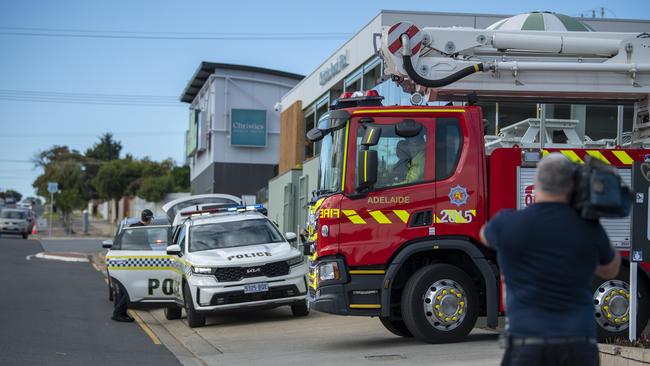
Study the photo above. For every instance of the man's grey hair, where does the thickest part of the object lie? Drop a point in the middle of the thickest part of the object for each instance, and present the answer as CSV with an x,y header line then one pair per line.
x,y
555,174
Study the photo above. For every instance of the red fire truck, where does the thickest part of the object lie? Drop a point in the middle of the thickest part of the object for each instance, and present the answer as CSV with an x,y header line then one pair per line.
x,y
404,190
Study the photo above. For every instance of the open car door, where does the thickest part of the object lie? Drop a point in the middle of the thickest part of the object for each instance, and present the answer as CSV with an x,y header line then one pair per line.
x,y
171,208
138,260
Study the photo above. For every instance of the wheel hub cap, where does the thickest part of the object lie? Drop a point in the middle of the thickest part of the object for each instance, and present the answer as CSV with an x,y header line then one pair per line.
x,y
445,304
611,302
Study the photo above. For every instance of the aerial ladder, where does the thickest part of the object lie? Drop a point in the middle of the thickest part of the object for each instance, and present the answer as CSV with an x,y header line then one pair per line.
x,y
454,64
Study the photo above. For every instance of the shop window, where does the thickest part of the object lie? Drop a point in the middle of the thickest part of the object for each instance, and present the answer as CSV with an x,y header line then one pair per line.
x,y
354,86
449,139
401,160
310,122
336,90
372,77
601,121
511,113
489,114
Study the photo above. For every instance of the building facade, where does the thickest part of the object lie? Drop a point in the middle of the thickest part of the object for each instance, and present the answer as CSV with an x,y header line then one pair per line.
x,y
356,67
233,137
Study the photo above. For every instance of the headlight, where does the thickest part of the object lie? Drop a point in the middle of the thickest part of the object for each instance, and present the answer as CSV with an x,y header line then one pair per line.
x,y
295,261
202,270
329,271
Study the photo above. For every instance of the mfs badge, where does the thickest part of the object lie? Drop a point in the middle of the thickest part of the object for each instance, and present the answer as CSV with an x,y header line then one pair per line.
x,y
458,195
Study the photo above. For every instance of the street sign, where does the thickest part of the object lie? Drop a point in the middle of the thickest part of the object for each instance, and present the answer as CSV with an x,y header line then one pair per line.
x,y
640,246
52,187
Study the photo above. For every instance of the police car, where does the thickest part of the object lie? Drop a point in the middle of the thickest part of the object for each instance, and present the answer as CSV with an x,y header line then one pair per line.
x,y
221,257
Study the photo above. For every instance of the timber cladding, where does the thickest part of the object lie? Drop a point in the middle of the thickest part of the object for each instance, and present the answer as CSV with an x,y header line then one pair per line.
x,y
292,137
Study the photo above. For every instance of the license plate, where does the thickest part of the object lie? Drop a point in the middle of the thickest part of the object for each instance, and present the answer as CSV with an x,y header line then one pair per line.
x,y
256,287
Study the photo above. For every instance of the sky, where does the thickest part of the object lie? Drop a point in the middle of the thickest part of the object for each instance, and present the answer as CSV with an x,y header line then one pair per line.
x,y
69,90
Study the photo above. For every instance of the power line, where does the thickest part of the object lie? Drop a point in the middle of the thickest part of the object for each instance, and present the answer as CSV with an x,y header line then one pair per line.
x,y
88,98
76,30
97,95
173,36
140,134
70,101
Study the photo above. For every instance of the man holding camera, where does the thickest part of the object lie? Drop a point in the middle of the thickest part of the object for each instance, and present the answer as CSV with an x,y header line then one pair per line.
x,y
548,255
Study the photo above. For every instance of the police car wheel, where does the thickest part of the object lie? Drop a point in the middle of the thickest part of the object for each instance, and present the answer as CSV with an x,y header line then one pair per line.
x,y
611,306
301,309
194,319
25,235
440,304
396,327
173,312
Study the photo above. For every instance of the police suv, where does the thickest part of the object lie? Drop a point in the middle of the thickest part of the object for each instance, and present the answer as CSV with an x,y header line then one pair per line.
x,y
222,256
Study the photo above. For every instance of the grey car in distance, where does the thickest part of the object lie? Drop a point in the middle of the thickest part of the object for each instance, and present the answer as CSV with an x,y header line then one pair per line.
x,y
16,221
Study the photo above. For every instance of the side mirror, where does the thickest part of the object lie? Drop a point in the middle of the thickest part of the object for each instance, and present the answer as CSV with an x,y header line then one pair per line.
x,y
367,165
107,244
371,136
174,249
315,135
291,237
408,128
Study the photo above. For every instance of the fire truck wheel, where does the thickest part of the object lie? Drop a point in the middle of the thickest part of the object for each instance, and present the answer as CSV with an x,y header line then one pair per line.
x,y
173,312
611,302
440,304
194,318
396,327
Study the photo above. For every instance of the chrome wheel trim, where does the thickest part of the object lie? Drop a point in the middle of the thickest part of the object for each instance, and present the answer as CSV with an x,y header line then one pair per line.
x,y
445,304
611,305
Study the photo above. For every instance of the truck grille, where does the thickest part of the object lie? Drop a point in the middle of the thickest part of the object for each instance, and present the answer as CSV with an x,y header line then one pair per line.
x,y
232,274
238,297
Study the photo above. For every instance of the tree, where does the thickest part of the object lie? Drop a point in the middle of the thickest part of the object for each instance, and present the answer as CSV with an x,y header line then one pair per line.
x,y
106,149
11,194
154,189
116,179
67,168
181,178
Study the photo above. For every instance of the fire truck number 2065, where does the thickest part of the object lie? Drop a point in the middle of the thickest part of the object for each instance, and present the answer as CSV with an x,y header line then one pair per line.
x,y
456,216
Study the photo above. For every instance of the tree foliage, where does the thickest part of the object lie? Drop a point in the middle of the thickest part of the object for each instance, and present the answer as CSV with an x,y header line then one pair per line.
x,y
117,178
154,189
10,193
67,168
101,173
106,149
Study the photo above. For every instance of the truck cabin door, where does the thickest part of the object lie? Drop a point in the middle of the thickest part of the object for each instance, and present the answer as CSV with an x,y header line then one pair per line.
x,y
399,205
139,261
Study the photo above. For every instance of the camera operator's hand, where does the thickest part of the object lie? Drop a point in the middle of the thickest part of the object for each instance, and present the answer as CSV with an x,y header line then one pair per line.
x,y
610,270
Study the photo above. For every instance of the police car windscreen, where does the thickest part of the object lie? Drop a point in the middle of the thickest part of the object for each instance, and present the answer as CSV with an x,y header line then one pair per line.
x,y
10,214
233,234
144,238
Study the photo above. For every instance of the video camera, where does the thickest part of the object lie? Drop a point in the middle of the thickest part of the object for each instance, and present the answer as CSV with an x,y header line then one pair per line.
x,y
600,192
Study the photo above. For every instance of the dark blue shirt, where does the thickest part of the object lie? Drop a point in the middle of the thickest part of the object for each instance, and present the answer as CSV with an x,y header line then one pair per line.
x,y
548,254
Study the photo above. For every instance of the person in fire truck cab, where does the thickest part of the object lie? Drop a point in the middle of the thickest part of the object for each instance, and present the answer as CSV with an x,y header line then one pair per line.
x,y
415,148
548,255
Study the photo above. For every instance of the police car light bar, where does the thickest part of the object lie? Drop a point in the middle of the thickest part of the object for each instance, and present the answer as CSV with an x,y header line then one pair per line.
x,y
231,209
